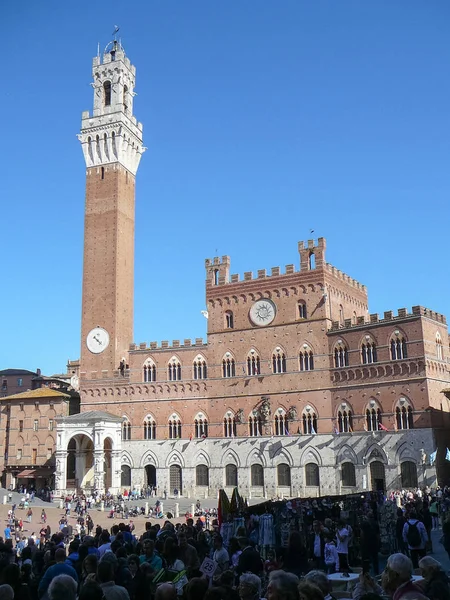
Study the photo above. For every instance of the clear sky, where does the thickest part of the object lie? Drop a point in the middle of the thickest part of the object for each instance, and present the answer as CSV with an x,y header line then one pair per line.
x,y
263,119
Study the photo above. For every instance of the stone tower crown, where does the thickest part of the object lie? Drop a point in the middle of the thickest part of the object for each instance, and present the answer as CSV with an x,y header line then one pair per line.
x,y
112,134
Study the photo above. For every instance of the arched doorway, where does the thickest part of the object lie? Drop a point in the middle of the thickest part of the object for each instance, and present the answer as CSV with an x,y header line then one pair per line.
x,y
80,463
377,476
176,479
125,479
150,475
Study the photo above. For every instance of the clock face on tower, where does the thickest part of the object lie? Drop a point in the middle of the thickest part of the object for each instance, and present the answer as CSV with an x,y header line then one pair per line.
x,y
97,340
263,312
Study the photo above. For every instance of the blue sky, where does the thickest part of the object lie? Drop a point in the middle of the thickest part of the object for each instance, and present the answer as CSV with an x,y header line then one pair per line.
x,y
263,119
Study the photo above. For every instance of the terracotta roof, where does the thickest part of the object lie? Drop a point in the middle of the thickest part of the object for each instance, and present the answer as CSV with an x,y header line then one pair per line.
x,y
39,393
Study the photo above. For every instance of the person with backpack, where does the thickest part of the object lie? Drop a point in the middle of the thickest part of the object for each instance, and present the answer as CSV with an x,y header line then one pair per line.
x,y
415,535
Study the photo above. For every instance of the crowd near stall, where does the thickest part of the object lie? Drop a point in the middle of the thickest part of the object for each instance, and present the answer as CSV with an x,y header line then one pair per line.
x,y
362,547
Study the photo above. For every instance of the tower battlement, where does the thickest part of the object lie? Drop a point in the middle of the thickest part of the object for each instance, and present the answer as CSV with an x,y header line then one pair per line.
x,y
388,315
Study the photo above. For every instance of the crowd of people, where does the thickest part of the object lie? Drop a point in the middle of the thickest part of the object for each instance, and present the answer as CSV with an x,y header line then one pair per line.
x,y
173,561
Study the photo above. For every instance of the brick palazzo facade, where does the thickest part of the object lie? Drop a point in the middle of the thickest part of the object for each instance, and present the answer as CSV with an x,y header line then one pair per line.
x,y
298,390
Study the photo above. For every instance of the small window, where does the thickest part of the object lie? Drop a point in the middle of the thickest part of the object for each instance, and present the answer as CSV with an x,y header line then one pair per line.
x,y
35,425
149,372
302,313
201,427
284,475
174,370
20,425
306,359
279,361
341,314
34,456
231,476
52,404
19,454
229,320
348,475
4,385
373,419
50,424
216,277
439,348
228,367
253,363
312,261
340,355
49,453
21,405
202,476
254,426
103,172
368,352
404,416
174,428
126,430
229,426
36,405
398,347
107,93
19,382
309,419
125,98
149,428
199,368
312,478
257,476
281,423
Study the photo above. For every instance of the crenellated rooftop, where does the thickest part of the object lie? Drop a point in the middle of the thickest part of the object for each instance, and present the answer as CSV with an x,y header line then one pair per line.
x,y
164,345
389,316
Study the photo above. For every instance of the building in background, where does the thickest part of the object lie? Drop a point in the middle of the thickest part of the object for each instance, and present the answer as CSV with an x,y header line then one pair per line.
x,y
297,391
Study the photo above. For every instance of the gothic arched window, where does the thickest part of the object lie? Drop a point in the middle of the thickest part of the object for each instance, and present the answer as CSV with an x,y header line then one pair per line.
x,y
174,427
398,346
231,475
284,475
202,476
253,363
404,417
201,426
302,313
228,366
174,369
348,474
309,420
229,319
257,476
345,421
149,371
229,425
254,425
278,361
126,429
281,423
149,428
340,355
306,359
107,93
373,417
312,478
368,351
200,369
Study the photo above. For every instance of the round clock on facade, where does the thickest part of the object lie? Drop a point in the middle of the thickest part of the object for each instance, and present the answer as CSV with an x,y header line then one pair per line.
x,y
97,340
263,312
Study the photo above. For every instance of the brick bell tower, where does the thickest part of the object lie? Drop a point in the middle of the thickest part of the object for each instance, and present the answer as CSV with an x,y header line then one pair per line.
x,y
111,139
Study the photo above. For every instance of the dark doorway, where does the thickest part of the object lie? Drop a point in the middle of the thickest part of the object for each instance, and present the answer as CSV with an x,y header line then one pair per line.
x,y
176,481
125,479
150,474
377,476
